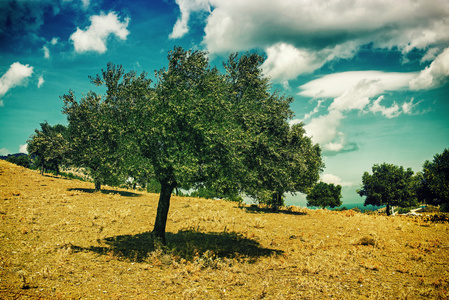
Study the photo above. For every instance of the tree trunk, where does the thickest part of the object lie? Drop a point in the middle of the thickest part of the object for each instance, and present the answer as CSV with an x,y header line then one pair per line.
x,y
277,201
162,211
388,209
97,186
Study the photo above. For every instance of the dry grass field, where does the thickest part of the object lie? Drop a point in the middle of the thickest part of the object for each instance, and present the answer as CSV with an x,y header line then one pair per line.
x,y
60,240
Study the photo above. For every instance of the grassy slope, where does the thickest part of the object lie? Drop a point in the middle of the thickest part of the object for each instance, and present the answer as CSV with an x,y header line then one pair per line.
x,y
58,239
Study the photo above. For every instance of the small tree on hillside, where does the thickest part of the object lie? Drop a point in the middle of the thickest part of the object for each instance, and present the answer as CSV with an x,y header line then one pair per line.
x,y
48,146
389,185
434,184
325,195
92,141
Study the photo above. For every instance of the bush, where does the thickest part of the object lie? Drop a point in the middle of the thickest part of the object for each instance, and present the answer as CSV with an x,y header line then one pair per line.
x,y
444,207
356,209
403,210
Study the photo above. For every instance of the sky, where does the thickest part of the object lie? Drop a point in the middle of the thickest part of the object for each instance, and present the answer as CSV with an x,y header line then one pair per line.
x,y
370,79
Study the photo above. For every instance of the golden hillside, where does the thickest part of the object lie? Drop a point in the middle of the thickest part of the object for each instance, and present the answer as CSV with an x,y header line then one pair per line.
x,y
59,240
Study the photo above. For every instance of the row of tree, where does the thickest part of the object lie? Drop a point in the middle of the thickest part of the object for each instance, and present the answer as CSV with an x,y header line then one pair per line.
x,y
393,185
193,128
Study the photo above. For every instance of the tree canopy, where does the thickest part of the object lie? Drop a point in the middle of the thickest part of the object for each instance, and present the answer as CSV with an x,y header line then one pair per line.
x,y
325,195
48,145
389,185
434,184
193,128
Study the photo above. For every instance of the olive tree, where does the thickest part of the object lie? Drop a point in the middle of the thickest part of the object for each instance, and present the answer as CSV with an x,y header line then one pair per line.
x,y
48,146
389,185
434,184
324,195
198,128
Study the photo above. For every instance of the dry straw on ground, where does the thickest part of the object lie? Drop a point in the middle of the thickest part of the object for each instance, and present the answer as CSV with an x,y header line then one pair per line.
x,y
60,240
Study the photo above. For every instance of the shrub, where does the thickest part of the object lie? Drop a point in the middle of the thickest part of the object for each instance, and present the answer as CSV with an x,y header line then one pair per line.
x,y
403,210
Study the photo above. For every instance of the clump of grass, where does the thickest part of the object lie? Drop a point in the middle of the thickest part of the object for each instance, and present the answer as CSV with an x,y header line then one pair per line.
x,y
367,241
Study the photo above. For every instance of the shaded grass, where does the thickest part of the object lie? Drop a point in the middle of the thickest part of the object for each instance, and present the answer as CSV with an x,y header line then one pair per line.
x,y
186,244
107,192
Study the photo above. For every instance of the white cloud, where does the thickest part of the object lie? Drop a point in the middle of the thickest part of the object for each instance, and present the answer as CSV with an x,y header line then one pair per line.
x,y
351,91
46,52
324,129
40,82
54,41
285,62
335,85
23,149
16,75
236,25
331,178
434,75
389,112
187,7
4,151
300,36
95,36
85,3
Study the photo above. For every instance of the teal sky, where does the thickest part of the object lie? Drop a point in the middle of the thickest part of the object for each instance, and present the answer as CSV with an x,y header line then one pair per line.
x,y
369,78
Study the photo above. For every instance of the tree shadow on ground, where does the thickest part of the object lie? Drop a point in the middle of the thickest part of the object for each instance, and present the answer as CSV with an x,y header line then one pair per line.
x,y
266,210
186,244
121,193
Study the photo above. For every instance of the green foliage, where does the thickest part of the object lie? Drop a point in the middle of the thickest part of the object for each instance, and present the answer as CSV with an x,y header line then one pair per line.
x,y
434,180
48,146
278,158
325,195
403,210
444,207
194,128
153,186
20,160
210,193
389,185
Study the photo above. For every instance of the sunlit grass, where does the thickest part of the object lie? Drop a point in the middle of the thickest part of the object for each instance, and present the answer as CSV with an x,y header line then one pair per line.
x,y
60,239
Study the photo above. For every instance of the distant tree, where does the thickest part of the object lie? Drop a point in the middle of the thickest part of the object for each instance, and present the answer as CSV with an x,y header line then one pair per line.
x,y
48,146
93,144
434,181
20,160
389,185
324,195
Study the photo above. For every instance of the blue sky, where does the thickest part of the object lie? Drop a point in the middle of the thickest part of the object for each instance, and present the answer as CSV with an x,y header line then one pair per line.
x,y
369,78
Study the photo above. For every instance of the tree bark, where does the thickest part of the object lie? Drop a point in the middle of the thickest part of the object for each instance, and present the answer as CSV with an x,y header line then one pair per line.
x,y
162,211
97,186
388,209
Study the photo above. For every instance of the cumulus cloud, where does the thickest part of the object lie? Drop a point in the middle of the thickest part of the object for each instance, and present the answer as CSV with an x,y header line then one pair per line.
x,y
23,149
324,129
235,24
331,178
16,75
40,82
361,91
187,7
285,62
4,151
434,75
299,36
94,37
